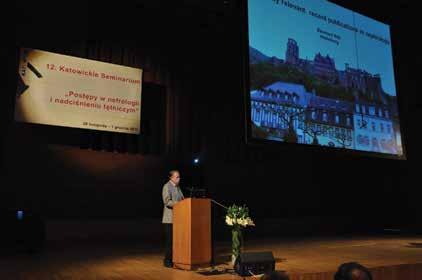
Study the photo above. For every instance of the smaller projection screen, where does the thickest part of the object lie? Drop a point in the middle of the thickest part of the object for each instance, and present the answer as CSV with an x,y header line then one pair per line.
x,y
62,90
321,75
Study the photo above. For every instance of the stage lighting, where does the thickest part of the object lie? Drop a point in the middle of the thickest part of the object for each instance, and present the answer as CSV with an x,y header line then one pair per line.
x,y
19,215
196,161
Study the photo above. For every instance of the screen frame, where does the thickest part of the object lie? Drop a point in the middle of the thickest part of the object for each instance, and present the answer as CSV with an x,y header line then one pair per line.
x,y
273,144
18,58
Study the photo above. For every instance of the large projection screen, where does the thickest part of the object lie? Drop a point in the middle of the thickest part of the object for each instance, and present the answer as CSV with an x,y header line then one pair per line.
x,y
62,90
321,75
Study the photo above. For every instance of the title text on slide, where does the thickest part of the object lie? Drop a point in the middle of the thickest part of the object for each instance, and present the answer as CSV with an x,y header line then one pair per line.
x,y
90,73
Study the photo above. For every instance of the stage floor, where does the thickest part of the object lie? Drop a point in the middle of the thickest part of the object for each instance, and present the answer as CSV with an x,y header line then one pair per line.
x,y
388,257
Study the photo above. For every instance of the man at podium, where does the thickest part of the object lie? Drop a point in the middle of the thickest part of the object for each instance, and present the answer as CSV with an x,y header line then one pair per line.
x,y
171,195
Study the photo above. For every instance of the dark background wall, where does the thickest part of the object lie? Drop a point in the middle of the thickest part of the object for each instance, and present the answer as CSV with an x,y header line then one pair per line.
x,y
191,52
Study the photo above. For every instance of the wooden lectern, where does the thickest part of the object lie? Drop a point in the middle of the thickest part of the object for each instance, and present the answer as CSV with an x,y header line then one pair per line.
x,y
192,233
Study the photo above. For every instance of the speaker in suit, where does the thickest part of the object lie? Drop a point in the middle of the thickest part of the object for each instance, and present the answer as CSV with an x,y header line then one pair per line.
x,y
171,195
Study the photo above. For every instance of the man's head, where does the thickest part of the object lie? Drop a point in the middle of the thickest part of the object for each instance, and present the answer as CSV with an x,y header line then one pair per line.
x,y
174,176
352,271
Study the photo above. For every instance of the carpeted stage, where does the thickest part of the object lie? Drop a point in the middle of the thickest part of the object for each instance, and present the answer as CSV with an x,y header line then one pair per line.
x,y
388,257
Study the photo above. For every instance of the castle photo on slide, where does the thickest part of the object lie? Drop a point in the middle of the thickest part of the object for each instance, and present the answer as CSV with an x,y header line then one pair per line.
x,y
324,82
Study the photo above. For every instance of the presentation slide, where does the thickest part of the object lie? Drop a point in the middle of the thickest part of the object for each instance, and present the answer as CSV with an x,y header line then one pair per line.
x,y
60,90
321,75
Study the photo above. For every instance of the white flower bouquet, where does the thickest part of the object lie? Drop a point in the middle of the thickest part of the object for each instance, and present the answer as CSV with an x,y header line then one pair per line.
x,y
238,217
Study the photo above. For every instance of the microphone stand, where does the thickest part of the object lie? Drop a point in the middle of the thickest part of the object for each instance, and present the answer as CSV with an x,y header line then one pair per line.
x,y
219,204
